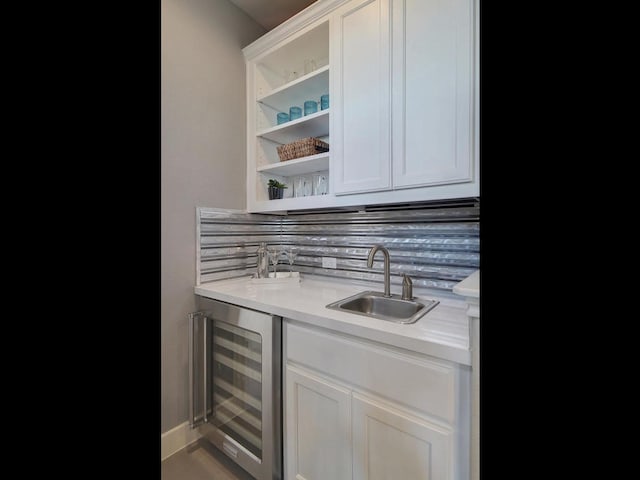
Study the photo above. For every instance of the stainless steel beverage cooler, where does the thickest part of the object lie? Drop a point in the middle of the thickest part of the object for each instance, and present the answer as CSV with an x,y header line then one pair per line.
x,y
235,384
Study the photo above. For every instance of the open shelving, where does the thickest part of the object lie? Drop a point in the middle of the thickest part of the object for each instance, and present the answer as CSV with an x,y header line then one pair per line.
x,y
278,81
314,125
298,166
297,91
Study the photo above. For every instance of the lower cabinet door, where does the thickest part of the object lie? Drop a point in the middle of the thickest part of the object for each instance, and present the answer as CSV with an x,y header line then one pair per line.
x,y
390,444
318,436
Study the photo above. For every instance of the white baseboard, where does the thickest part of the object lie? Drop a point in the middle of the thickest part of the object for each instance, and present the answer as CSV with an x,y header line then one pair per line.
x,y
176,439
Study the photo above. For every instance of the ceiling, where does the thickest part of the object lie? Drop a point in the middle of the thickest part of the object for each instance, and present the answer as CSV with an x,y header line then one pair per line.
x,y
271,13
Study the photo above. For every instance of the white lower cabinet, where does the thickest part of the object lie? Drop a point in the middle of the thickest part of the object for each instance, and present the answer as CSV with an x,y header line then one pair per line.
x,y
390,443
318,434
358,410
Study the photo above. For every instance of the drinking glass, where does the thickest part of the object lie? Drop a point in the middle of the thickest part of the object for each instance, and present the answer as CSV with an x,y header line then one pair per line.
x,y
291,256
282,117
302,186
319,184
274,254
310,106
295,113
324,102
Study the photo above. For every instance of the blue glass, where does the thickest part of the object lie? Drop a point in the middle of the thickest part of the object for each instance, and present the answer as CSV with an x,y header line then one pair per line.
x,y
282,117
310,107
324,102
294,113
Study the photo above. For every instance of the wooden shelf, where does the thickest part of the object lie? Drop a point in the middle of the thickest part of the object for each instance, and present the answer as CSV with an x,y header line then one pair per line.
x,y
308,87
298,166
314,125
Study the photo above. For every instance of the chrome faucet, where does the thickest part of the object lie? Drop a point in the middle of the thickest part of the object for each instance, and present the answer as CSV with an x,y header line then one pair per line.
x,y
387,273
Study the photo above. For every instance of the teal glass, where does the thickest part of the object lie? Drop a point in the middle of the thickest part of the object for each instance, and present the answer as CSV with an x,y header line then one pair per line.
x,y
310,107
282,117
324,102
295,113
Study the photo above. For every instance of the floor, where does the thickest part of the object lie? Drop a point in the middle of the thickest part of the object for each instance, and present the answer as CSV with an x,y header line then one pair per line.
x,y
201,461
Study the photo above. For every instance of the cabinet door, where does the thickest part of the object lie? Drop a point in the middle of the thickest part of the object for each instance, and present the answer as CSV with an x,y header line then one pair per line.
x,y
318,437
360,97
432,92
390,444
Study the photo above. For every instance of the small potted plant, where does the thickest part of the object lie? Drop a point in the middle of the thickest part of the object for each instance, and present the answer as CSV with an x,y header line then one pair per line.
x,y
276,189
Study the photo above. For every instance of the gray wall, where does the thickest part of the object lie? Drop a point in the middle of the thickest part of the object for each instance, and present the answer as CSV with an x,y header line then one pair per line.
x,y
203,115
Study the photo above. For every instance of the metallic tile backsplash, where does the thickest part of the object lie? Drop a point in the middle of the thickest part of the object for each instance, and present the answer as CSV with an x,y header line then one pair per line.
x,y
437,245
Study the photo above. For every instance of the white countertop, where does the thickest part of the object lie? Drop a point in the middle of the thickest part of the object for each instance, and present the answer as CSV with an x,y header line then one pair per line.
x,y
443,332
470,286
470,289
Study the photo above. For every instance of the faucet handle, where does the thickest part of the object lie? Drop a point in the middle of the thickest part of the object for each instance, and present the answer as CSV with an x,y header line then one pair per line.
x,y
407,287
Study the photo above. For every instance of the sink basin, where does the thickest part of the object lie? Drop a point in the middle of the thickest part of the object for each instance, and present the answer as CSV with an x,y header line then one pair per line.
x,y
376,305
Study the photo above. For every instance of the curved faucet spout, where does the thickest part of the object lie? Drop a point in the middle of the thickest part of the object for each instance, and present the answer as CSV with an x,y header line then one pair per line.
x,y
387,273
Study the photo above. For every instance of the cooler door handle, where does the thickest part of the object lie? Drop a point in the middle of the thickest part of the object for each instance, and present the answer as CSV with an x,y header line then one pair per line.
x,y
197,368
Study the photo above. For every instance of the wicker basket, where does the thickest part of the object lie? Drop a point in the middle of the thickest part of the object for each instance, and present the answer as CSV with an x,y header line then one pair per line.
x,y
302,148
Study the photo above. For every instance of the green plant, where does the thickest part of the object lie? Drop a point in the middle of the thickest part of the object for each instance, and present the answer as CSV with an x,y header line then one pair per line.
x,y
277,184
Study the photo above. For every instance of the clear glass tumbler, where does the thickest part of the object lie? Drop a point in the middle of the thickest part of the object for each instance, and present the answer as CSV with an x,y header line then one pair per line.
x,y
320,184
302,186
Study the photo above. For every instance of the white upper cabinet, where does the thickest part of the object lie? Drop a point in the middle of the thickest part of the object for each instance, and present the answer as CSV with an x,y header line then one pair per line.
x,y
402,120
361,134
403,77
432,92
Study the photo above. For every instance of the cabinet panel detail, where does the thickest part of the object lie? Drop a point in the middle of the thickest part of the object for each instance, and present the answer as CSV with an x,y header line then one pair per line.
x,y
356,363
432,117
389,443
362,95
318,435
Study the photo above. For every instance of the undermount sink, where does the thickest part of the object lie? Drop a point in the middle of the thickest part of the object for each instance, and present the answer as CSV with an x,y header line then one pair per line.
x,y
376,305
